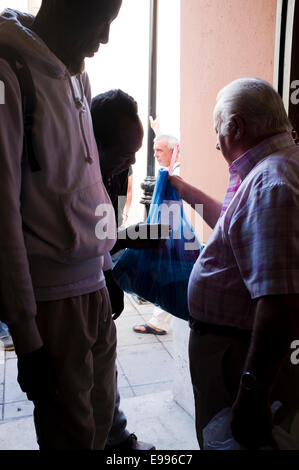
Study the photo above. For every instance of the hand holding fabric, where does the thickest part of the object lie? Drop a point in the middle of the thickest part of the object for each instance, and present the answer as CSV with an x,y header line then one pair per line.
x,y
143,236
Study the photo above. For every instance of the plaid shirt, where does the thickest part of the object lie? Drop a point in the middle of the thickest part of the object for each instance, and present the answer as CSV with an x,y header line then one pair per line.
x,y
254,248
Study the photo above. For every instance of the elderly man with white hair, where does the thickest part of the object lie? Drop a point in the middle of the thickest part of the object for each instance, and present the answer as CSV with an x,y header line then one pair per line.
x,y
160,321
244,288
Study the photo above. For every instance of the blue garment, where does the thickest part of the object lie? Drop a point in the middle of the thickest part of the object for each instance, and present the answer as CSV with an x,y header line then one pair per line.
x,y
161,275
3,330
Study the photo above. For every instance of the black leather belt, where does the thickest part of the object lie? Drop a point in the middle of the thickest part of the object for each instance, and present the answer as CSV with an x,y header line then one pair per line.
x,y
208,328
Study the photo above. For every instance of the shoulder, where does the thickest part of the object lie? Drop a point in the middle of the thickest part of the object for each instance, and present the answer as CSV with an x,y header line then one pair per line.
x,y
273,184
277,169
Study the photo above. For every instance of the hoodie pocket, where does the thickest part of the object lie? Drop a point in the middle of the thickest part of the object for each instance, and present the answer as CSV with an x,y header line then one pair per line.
x,y
84,211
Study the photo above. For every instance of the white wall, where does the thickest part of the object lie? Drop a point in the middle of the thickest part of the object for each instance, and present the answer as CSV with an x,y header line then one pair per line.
x,y
123,63
21,5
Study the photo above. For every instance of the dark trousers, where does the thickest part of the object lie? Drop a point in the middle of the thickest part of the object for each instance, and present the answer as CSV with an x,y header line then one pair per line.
x,y
80,335
216,364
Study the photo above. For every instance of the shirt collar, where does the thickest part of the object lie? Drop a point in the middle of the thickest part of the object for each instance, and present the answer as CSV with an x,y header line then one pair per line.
x,y
246,162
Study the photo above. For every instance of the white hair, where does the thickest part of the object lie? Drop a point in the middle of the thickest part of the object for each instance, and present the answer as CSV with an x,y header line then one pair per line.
x,y
256,102
171,140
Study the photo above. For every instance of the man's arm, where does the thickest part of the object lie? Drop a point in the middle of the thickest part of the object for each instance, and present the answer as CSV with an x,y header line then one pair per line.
x,y
129,199
276,326
17,301
192,195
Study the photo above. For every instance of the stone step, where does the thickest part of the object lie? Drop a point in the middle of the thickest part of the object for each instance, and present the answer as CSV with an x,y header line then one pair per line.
x,y
154,418
158,419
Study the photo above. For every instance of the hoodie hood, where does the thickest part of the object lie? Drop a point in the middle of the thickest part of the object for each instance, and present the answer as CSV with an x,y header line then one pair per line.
x,y
15,31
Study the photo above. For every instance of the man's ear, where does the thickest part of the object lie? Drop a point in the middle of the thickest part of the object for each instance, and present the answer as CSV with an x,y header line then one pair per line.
x,y
237,127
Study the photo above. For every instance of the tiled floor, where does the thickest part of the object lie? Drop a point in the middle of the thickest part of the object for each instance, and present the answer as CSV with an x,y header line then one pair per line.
x,y
145,368
145,364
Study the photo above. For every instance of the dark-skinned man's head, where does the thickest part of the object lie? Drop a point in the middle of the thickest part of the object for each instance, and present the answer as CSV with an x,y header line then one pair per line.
x,y
79,27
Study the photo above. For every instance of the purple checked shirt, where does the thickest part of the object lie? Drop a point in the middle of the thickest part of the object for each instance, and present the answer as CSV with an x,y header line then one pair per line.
x,y
253,250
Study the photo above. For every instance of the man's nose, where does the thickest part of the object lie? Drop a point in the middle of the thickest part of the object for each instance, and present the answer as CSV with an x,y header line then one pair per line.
x,y
105,35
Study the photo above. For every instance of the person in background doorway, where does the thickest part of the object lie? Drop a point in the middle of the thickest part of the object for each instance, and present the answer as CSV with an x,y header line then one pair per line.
x,y
160,322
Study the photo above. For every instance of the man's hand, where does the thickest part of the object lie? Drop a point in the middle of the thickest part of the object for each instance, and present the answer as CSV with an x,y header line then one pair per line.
x,y
155,125
252,420
116,294
36,375
143,236
149,244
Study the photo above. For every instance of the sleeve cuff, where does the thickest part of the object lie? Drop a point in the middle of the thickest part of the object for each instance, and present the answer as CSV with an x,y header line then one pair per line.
x,y
26,336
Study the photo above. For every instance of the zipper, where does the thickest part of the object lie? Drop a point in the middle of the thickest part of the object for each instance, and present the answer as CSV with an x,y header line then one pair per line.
x,y
80,105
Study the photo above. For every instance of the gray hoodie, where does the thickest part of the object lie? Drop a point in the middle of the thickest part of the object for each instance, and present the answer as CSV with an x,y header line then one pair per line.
x,y
48,245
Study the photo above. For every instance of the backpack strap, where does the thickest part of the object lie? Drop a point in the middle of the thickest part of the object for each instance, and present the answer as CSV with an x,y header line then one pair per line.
x,y
23,74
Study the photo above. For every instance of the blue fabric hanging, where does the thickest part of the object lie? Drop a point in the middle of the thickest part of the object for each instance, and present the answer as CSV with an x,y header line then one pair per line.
x,y
161,275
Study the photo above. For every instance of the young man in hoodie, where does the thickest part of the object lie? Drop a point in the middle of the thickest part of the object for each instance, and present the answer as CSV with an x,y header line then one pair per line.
x,y
52,292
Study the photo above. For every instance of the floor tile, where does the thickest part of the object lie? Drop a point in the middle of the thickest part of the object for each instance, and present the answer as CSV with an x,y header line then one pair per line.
x,y
11,355
18,434
13,391
168,345
142,308
121,378
1,393
18,409
161,421
152,388
146,363
168,338
127,337
125,392
1,370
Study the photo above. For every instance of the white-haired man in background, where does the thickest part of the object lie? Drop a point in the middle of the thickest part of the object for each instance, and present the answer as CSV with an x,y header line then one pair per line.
x,y
244,288
160,322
